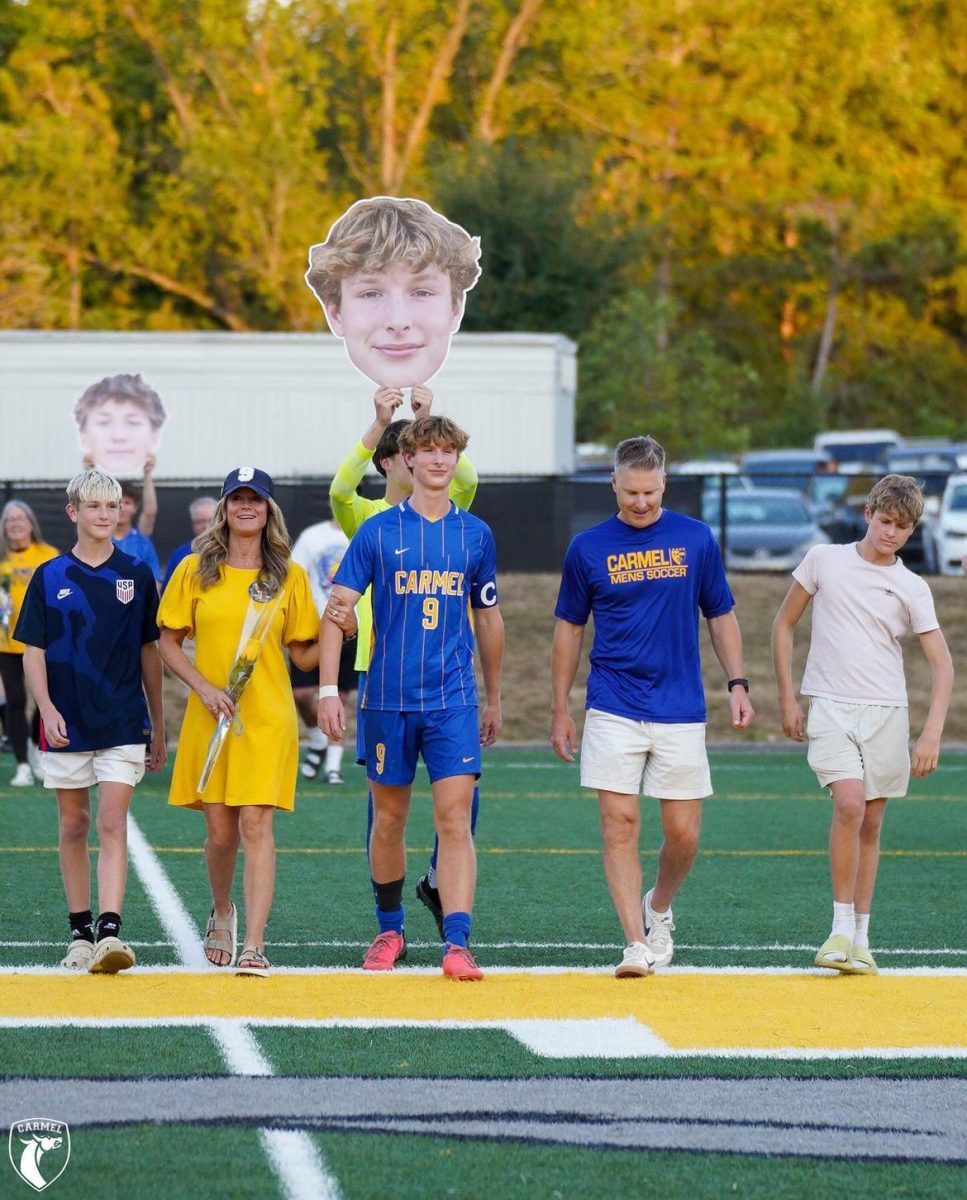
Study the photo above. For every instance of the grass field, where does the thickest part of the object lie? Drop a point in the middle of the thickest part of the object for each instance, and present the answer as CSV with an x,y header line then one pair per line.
x,y
740,1070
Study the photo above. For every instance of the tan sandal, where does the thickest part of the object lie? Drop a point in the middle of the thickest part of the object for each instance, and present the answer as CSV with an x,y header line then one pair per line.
x,y
221,937
252,962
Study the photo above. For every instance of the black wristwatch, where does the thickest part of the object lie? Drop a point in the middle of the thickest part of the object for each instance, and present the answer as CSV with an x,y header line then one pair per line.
x,y
738,683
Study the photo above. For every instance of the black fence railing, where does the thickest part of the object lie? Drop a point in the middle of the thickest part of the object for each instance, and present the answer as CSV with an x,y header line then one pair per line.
x,y
533,520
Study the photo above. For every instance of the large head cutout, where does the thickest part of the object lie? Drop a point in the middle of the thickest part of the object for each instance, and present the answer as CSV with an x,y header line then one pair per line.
x,y
119,423
392,277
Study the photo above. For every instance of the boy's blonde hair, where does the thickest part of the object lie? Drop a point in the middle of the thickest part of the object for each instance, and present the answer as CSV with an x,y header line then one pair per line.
x,y
898,495
94,484
432,431
385,231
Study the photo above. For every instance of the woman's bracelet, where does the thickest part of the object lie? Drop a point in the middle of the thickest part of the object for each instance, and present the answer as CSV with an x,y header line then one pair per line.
x,y
327,691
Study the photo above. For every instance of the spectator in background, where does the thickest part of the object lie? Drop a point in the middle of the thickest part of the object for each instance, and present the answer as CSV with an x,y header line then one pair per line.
x,y
136,539
200,512
22,550
319,549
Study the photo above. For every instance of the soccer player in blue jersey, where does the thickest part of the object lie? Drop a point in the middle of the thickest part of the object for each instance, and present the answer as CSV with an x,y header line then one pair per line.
x,y
89,624
429,563
380,445
645,575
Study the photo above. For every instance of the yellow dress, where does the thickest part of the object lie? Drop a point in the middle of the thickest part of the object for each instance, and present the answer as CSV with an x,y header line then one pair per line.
x,y
259,765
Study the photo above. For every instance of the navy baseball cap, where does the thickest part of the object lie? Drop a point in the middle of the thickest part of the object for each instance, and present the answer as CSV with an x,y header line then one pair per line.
x,y
249,477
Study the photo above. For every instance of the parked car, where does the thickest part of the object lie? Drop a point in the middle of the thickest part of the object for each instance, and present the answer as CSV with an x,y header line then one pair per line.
x,y
856,450
951,529
767,529
781,468
845,522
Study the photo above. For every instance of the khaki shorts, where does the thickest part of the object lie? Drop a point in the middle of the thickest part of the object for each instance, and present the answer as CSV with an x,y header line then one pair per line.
x,y
118,764
860,741
625,756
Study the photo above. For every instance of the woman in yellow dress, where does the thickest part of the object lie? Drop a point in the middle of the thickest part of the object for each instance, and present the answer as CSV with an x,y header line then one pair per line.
x,y
22,550
242,557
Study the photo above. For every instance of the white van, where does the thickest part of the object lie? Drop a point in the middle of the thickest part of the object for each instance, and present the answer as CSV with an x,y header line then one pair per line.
x,y
951,526
856,451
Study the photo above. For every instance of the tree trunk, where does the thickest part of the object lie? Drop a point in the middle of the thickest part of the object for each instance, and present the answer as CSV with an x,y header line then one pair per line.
x,y
829,329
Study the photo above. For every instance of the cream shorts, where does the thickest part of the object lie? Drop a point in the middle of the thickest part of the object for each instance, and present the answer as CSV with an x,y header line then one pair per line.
x,y
630,757
118,764
860,741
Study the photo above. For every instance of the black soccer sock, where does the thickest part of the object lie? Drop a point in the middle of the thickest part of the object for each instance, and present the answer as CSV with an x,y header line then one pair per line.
x,y
389,896
108,925
82,926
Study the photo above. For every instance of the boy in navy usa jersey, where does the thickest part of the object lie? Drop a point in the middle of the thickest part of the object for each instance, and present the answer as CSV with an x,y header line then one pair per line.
x,y
89,623
429,563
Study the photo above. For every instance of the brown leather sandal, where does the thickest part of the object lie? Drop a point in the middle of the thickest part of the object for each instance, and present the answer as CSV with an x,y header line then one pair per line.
x,y
252,962
221,937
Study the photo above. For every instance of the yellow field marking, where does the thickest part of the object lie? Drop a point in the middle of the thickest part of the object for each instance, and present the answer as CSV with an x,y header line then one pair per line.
x,y
695,1011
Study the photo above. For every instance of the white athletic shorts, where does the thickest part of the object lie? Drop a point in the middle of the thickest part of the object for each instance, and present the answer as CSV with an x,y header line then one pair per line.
x,y
860,741
631,757
118,764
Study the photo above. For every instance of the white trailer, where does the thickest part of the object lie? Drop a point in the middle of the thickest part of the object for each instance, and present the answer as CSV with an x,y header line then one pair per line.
x,y
290,403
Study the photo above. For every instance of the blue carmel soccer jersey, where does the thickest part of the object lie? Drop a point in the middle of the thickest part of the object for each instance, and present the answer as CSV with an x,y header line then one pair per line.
x,y
92,622
425,576
646,588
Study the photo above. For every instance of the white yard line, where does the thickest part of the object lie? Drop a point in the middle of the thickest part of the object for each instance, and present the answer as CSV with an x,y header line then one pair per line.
x,y
561,969
595,1038
603,947
299,1167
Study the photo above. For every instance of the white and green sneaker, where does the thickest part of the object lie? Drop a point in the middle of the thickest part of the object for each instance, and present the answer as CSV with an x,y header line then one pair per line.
x,y
658,931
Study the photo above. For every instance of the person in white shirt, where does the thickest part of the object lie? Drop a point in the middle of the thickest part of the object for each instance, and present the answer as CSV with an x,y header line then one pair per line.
x,y
865,599
319,549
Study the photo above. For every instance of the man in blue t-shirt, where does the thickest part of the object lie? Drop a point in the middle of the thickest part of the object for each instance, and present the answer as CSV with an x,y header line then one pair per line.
x,y
89,624
429,563
645,575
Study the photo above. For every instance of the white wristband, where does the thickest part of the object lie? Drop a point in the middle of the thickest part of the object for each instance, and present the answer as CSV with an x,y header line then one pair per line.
x,y
327,691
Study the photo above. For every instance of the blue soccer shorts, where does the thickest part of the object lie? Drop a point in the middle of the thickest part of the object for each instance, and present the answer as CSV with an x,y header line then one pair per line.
x,y
448,740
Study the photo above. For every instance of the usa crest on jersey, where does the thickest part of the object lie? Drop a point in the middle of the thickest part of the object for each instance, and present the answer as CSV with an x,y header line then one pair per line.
x,y
125,590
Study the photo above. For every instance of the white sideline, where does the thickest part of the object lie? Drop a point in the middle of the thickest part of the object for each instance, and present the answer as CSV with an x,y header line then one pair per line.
x,y
590,1034
293,1155
731,947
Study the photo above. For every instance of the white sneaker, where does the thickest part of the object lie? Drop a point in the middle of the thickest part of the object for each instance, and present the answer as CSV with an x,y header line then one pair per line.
x,y
33,758
23,776
636,960
658,931
334,777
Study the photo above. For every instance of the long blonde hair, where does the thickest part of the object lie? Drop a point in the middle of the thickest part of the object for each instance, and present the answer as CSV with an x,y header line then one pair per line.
x,y
212,548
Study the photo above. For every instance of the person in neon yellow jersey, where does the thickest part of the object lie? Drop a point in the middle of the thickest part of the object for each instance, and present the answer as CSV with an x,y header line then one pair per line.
x,y
379,445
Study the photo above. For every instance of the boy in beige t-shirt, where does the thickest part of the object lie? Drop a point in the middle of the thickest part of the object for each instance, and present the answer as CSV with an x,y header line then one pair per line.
x,y
858,729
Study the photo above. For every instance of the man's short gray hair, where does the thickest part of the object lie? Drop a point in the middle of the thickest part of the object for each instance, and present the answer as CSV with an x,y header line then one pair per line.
x,y
640,454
